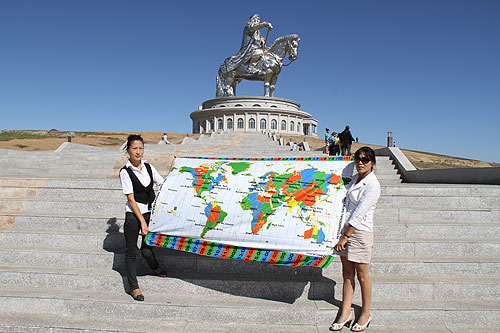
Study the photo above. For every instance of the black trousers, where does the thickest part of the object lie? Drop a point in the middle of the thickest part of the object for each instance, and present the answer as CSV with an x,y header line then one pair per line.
x,y
131,232
346,149
336,150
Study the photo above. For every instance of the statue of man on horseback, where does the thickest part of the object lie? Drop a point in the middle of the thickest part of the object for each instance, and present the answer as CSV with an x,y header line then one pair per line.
x,y
254,61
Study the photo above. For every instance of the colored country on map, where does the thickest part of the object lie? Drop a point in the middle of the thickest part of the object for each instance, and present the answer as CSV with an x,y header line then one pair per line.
x,y
215,215
261,206
314,233
238,167
206,177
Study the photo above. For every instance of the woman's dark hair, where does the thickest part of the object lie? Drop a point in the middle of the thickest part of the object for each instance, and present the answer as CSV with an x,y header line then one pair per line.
x,y
133,137
368,153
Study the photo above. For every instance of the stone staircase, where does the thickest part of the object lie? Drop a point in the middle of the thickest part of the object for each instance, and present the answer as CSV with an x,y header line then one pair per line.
x,y
435,268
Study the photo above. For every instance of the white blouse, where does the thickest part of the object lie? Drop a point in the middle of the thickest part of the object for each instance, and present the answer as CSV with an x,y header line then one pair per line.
x,y
361,200
143,177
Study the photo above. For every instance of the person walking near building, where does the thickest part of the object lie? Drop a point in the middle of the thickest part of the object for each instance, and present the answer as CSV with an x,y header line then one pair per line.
x,y
346,140
137,178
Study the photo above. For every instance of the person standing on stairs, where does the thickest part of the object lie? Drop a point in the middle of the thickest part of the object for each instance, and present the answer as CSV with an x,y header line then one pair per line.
x,y
346,140
356,244
327,141
137,178
335,145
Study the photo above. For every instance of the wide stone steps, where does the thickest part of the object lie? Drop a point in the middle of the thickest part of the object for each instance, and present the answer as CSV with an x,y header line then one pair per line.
x,y
63,172
433,231
79,160
435,215
17,322
20,322
278,287
108,184
235,309
181,263
63,194
458,202
75,168
444,190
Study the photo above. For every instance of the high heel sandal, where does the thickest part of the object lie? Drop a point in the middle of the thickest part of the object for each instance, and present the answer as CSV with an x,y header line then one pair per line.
x,y
339,326
360,328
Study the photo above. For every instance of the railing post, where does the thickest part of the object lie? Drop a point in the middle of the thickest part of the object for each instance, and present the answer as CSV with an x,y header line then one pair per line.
x,y
389,139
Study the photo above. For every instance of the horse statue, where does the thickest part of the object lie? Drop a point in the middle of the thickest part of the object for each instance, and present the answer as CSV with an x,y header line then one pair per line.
x,y
266,68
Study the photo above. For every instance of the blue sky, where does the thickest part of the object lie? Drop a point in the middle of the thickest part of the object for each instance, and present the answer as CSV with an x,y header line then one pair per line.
x,y
427,70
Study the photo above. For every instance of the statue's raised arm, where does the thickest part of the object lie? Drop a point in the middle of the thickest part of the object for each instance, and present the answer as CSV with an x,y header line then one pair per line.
x,y
254,61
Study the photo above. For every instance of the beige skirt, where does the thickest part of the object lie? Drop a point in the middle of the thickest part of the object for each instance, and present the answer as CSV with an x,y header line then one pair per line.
x,y
359,247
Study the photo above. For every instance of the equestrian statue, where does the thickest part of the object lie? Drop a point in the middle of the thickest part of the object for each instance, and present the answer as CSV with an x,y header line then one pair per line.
x,y
255,61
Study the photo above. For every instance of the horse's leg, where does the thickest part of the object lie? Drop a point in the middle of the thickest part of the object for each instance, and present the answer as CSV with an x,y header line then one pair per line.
x,y
267,84
272,87
229,85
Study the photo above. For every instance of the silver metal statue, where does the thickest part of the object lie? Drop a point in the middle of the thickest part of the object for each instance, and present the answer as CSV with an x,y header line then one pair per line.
x,y
254,61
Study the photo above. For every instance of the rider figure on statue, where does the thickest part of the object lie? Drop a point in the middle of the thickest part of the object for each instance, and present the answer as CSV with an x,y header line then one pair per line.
x,y
253,44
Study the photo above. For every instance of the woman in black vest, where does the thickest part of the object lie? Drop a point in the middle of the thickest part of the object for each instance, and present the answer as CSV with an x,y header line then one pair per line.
x,y
137,179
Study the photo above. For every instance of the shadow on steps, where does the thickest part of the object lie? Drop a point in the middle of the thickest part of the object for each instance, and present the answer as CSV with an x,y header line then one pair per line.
x,y
214,275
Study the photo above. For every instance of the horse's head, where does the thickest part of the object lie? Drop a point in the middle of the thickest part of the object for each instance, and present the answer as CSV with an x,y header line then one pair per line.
x,y
293,47
286,44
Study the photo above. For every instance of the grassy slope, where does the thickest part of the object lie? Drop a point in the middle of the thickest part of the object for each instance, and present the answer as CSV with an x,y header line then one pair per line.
x,y
51,140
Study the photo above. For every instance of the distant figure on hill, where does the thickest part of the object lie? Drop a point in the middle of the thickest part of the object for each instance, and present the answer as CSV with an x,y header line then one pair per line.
x,y
164,138
346,140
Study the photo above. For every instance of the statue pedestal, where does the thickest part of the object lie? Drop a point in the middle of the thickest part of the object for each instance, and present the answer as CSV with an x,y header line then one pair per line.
x,y
251,114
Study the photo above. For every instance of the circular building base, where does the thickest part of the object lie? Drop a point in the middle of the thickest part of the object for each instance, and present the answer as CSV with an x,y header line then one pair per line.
x,y
251,114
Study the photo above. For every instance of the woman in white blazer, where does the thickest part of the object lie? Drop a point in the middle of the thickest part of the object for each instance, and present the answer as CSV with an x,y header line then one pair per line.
x,y
356,244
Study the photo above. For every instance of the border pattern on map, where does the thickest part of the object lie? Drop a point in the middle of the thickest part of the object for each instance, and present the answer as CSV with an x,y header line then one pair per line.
x,y
226,251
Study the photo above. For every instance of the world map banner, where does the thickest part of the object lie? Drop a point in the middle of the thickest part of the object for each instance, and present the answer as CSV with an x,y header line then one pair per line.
x,y
281,211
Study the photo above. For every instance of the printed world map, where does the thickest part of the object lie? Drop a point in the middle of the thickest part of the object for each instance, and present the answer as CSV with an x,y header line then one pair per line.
x,y
269,204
